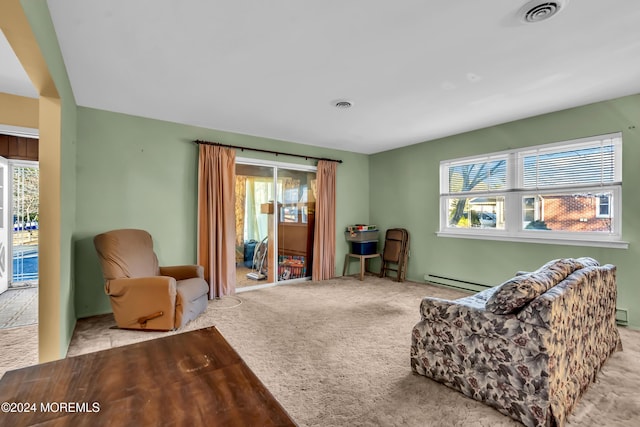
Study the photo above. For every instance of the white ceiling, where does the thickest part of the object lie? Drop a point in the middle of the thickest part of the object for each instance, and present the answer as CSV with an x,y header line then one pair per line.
x,y
414,70
14,81
13,78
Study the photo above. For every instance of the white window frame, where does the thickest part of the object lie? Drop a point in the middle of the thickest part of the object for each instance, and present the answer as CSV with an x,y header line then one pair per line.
x,y
514,192
599,214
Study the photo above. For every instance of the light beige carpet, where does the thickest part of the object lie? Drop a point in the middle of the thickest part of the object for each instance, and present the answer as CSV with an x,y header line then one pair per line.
x,y
336,353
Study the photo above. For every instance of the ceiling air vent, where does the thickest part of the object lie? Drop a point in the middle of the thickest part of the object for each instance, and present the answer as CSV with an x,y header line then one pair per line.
x,y
343,104
537,10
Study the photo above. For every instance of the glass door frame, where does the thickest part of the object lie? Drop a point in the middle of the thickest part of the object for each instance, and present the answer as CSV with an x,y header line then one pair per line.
x,y
13,164
276,166
6,225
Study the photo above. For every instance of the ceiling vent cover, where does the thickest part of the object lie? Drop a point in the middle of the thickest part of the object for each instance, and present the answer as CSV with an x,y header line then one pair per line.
x,y
537,10
343,104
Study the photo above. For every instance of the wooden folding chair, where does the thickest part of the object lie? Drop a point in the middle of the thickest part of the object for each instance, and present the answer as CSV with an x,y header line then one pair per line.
x,y
396,251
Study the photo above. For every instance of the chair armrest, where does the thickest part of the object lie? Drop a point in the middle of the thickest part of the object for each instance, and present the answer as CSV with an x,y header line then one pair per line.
x,y
140,286
144,302
182,272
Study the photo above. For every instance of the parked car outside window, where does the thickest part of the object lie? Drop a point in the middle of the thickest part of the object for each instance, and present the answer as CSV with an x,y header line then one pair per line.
x,y
487,219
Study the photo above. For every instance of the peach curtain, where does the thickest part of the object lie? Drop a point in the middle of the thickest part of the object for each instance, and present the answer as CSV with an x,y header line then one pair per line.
x,y
324,243
216,218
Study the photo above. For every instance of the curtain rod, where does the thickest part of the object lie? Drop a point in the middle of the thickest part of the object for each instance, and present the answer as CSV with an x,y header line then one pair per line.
x,y
266,151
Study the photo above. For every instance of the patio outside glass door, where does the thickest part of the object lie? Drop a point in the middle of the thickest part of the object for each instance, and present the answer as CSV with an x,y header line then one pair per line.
x,y
255,194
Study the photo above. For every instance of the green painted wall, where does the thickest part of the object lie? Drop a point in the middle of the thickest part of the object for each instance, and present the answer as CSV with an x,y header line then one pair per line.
x,y
38,15
405,193
142,173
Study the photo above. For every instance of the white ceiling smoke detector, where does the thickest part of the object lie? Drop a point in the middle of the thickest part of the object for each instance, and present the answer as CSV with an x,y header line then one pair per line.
x,y
540,10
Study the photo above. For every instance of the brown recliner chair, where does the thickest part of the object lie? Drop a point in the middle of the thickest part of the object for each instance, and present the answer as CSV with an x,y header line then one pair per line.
x,y
144,295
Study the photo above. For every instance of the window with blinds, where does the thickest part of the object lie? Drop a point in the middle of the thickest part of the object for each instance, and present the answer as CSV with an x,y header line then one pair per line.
x,y
562,191
571,166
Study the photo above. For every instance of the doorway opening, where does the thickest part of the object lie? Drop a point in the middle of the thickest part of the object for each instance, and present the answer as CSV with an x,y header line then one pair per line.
x,y
19,229
275,211
25,210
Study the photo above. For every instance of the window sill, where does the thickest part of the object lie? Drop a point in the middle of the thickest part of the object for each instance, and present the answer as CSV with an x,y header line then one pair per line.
x,y
614,244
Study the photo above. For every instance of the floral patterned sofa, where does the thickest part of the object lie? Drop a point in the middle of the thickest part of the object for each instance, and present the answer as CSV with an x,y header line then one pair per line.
x,y
529,347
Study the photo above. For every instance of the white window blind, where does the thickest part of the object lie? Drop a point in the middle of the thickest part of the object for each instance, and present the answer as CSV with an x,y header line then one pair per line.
x,y
478,176
575,165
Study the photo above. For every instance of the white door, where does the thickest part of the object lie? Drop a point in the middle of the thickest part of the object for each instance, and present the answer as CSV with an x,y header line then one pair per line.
x,y
5,223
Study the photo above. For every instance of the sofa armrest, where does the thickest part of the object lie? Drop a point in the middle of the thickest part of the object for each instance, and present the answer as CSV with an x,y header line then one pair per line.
x,y
475,304
467,317
580,314
557,308
443,309
182,272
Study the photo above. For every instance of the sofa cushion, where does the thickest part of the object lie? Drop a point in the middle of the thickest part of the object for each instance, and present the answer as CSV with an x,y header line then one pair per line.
x,y
584,262
518,291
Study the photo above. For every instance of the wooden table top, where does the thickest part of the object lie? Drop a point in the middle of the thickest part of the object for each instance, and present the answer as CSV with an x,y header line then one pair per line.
x,y
188,379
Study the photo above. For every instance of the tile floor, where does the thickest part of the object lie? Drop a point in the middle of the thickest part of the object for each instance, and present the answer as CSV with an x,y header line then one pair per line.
x,y
19,307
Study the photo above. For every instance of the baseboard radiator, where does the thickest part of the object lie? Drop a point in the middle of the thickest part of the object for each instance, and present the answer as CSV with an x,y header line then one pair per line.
x,y
456,283
621,317
621,313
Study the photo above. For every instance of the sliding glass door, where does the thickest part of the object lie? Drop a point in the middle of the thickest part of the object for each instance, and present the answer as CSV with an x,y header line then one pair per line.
x,y
255,193
296,213
275,210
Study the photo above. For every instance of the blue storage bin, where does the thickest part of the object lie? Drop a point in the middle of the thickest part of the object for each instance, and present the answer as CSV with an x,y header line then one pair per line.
x,y
364,248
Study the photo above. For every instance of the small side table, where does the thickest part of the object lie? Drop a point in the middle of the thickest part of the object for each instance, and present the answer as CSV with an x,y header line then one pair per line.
x,y
363,260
